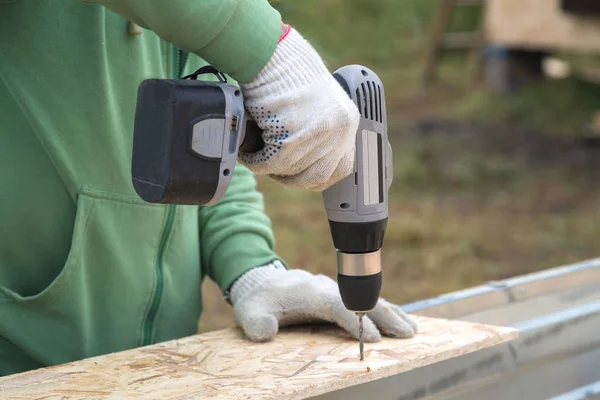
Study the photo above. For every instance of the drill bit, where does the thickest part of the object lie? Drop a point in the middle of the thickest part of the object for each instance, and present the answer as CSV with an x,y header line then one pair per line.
x,y
361,342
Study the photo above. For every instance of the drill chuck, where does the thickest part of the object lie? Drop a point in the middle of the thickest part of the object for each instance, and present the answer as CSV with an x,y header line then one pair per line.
x,y
359,279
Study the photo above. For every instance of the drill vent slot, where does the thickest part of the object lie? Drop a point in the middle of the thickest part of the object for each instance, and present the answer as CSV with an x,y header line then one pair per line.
x,y
368,101
358,101
379,104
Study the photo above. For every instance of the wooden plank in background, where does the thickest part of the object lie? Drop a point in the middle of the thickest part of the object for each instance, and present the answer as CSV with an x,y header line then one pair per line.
x,y
301,362
539,24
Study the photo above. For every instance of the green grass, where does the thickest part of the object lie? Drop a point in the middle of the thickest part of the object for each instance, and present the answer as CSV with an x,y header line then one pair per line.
x,y
552,105
486,186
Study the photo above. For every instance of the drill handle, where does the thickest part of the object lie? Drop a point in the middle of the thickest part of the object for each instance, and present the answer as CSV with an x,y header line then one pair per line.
x,y
251,135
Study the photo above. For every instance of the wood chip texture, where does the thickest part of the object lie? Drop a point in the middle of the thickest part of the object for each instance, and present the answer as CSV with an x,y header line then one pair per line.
x,y
301,362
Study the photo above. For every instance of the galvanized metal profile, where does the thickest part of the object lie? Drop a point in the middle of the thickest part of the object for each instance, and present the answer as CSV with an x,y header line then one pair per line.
x,y
459,303
565,286
533,307
553,280
538,381
588,392
561,333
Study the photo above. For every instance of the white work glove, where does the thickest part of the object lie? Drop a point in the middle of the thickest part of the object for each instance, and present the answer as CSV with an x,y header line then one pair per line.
x,y
269,297
309,122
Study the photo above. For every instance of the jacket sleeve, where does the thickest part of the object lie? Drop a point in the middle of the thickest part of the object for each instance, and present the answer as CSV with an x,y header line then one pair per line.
x,y
237,37
235,234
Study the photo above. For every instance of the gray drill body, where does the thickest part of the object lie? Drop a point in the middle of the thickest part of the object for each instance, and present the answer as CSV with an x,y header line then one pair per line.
x,y
363,196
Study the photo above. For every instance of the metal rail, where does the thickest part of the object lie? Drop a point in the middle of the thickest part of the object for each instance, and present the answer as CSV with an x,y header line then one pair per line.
x,y
588,392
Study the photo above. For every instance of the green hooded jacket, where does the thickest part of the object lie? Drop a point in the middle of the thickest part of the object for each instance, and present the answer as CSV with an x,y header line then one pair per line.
x,y
86,267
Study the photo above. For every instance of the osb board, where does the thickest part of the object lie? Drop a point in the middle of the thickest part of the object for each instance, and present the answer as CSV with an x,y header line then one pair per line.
x,y
299,363
540,24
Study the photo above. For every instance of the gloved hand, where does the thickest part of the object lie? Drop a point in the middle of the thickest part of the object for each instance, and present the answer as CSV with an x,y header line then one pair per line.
x,y
309,122
269,297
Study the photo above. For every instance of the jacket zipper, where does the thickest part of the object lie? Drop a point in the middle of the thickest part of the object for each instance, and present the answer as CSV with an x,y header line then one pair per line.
x,y
148,324
180,58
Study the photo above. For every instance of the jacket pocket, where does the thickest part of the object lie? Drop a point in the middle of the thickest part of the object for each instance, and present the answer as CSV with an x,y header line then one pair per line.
x,y
56,287
98,302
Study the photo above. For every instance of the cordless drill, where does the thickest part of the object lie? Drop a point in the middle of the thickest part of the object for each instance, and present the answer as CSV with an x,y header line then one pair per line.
x,y
187,136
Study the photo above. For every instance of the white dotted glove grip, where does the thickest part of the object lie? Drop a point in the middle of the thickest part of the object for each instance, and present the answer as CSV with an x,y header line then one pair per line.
x,y
309,122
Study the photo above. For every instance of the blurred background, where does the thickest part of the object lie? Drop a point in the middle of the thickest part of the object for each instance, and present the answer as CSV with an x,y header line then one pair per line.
x,y
494,120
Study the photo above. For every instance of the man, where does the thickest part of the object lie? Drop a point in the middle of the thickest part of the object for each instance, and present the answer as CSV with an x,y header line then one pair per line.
x,y
86,267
